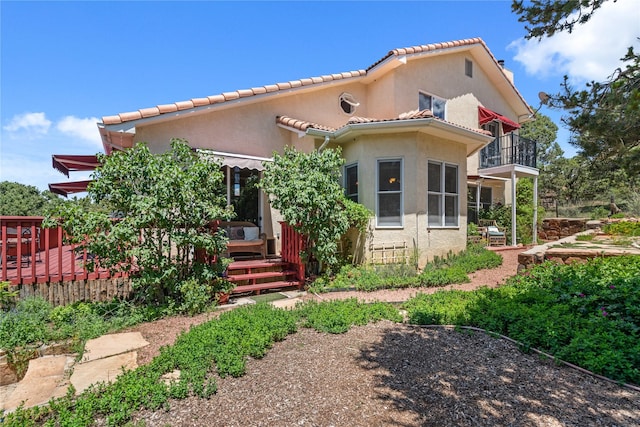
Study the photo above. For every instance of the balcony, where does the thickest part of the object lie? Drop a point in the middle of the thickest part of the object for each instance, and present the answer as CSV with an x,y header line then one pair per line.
x,y
510,149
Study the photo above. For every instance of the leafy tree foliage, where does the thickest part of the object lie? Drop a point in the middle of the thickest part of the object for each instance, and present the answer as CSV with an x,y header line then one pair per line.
x,y
306,189
161,207
549,17
544,132
604,118
24,200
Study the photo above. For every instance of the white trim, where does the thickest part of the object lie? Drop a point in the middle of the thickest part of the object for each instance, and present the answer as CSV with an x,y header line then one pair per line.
x,y
442,193
377,192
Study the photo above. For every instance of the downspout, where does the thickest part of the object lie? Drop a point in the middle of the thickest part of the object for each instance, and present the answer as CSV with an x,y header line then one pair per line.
x,y
324,144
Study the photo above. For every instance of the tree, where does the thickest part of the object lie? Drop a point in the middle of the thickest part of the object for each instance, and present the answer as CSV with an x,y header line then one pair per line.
x,y
161,207
25,200
604,118
547,18
306,189
544,132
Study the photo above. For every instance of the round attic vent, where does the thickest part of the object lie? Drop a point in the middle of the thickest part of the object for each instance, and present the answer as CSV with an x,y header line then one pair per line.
x,y
348,103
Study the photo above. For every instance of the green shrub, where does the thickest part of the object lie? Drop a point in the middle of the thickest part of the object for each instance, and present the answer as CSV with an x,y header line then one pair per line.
x,y
7,296
26,323
196,296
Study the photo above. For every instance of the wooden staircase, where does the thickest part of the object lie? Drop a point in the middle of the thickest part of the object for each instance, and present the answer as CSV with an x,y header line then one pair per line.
x,y
262,274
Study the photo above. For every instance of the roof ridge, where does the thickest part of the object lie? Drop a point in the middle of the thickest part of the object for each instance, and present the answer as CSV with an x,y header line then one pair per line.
x,y
225,97
174,107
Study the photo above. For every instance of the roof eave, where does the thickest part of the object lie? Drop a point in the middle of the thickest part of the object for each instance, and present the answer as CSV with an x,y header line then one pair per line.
x,y
472,139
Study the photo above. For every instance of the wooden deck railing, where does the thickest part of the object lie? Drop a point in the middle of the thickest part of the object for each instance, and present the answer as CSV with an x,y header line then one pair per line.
x,y
292,246
32,254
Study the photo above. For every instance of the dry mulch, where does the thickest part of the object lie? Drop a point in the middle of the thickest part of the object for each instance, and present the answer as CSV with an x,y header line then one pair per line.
x,y
388,374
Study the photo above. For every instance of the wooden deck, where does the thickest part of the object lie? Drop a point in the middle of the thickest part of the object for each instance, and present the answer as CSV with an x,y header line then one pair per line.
x,y
59,264
31,255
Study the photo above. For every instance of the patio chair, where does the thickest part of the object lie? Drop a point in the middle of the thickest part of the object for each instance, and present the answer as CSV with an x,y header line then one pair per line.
x,y
495,235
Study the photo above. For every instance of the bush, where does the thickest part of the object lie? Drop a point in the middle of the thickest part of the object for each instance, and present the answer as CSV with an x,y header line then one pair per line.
x,y
623,228
26,323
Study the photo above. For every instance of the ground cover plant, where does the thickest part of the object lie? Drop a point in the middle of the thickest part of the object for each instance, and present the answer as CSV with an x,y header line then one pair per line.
x,y
452,268
34,321
585,314
210,350
623,228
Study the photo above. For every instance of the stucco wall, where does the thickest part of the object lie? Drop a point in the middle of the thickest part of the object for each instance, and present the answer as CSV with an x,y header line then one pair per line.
x,y
415,150
247,126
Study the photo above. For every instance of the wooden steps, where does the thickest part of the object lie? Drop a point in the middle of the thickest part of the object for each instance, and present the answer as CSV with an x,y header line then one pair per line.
x,y
263,274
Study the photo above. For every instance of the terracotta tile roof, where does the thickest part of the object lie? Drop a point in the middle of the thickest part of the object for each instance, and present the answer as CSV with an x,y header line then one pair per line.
x,y
430,48
303,125
244,93
224,97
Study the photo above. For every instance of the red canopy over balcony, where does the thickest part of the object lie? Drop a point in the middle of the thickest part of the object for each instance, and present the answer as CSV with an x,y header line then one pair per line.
x,y
66,188
485,115
66,163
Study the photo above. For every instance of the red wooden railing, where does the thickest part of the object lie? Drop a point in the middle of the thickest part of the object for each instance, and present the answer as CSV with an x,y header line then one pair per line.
x,y
291,247
32,254
41,256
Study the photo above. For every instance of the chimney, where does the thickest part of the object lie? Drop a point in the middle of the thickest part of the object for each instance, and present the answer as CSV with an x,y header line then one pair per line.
x,y
506,72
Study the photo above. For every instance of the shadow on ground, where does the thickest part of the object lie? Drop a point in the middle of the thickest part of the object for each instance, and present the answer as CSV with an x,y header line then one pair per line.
x,y
462,378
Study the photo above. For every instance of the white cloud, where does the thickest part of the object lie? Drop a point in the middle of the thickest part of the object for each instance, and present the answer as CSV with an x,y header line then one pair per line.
x,y
30,123
85,129
591,52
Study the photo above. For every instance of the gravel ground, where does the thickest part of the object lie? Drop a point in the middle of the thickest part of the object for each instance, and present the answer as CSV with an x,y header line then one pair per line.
x,y
388,374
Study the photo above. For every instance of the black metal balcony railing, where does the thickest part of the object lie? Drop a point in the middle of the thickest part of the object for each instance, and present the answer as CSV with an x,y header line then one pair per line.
x,y
510,149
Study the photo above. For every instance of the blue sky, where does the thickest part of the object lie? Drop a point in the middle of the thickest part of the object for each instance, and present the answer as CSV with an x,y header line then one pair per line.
x,y
64,65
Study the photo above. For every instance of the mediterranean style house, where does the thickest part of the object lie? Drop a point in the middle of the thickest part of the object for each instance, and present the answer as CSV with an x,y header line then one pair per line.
x,y
429,135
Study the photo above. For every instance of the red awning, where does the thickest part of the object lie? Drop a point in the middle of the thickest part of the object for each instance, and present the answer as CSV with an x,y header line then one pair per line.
x,y
66,188
485,115
66,163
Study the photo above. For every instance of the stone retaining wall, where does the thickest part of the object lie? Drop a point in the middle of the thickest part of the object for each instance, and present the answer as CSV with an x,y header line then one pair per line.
x,y
554,251
558,228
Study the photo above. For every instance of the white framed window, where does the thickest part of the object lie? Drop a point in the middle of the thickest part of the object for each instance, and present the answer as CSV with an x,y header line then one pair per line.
x,y
351,182
389,193
443,199
436,104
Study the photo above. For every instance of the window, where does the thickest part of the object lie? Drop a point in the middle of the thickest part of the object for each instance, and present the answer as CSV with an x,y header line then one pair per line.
x,y
348,103
351,182
389,193
468,68
433,103
442,194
